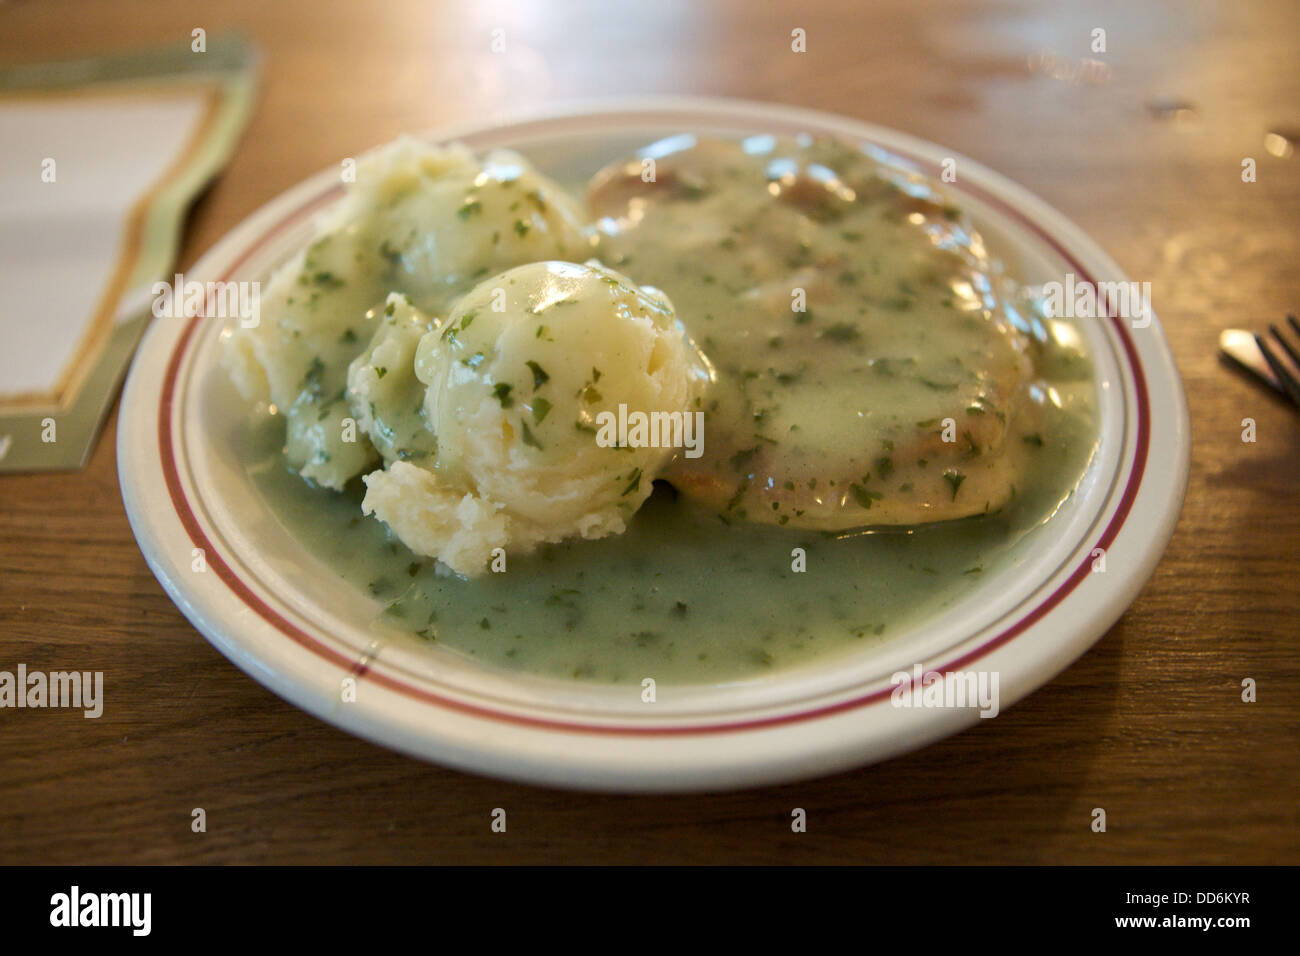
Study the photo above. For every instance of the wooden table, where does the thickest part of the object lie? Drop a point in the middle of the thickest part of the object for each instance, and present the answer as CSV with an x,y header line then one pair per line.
x,y
1149,724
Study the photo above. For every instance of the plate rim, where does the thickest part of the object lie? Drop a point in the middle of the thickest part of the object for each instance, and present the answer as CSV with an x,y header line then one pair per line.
x,y
1064,237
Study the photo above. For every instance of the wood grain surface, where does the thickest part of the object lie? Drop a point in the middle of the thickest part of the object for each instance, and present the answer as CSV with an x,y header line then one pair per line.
x,y
1149,725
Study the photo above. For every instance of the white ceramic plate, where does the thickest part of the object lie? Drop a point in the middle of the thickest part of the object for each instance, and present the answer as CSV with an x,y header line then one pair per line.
x,y
282,616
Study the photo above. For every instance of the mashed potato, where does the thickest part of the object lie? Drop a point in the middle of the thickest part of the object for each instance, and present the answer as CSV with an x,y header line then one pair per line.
x,y
425,221
517,378
386,398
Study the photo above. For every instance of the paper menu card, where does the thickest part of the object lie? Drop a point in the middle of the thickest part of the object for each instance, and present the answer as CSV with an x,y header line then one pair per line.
x,y
100,160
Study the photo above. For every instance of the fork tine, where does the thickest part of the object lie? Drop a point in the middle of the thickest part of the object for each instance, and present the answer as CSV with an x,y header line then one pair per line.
x,y
1295,326
1283,374
1291,352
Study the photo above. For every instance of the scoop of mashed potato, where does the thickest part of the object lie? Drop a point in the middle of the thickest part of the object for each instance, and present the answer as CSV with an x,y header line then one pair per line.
x,y
383,393
523,379
426,221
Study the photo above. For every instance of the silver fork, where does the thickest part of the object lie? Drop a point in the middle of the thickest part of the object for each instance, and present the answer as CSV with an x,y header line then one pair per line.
x,y
1276,361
